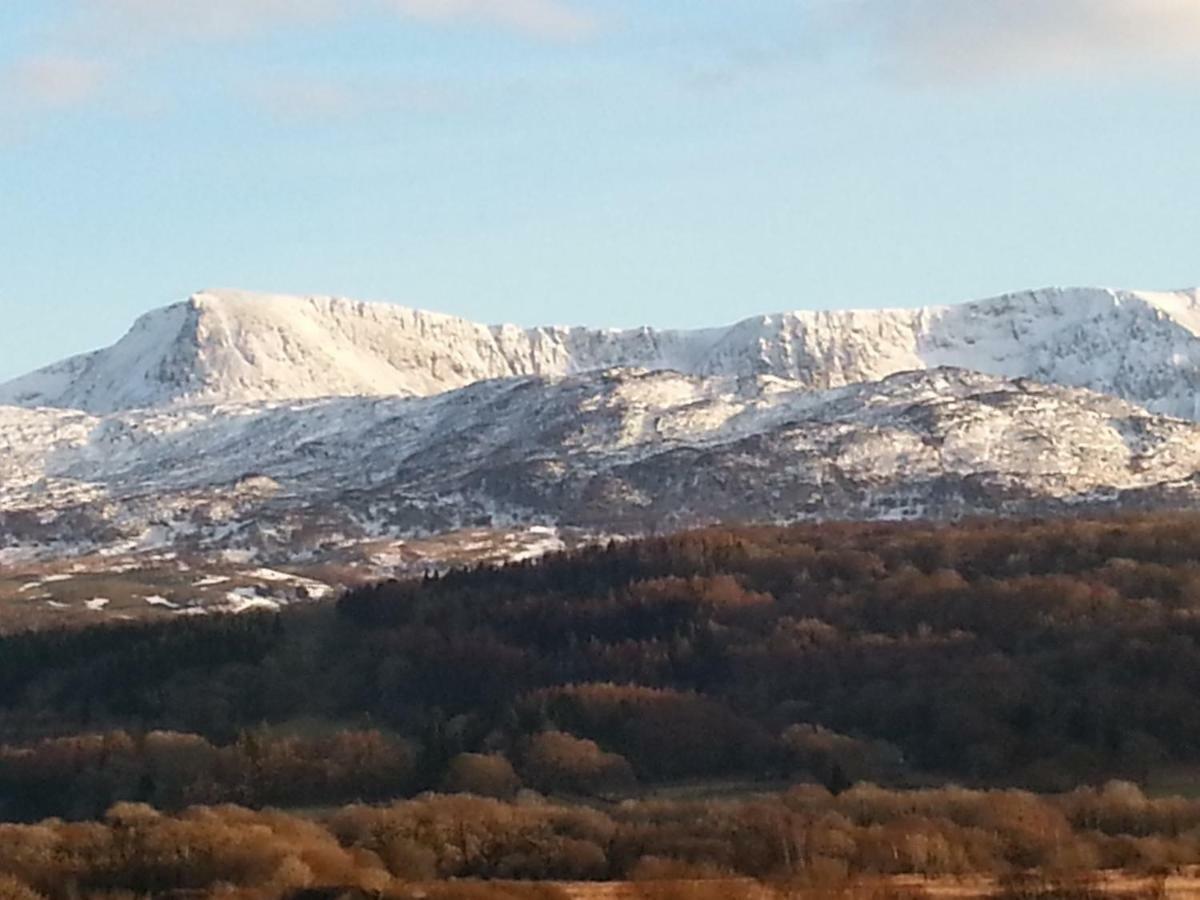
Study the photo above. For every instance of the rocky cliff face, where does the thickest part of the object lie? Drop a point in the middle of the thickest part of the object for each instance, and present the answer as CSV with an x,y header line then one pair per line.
x,y
228,347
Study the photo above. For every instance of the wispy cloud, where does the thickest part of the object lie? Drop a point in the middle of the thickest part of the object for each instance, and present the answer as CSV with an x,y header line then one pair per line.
x,y
939,39
198,19
54,81
97,41
549,19
293,99
226,19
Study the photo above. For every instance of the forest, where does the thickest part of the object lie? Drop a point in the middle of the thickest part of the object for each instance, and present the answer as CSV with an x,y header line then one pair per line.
x,y
814,666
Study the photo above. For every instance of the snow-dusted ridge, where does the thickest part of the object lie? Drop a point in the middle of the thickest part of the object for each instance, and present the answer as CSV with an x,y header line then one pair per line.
x,y
234,347
286,430
623,450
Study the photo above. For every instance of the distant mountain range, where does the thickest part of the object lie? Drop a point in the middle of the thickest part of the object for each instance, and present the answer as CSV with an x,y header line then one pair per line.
x,y
287,429
230,347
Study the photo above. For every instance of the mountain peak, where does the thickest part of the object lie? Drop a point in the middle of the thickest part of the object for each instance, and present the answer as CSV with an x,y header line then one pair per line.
x,y
230,346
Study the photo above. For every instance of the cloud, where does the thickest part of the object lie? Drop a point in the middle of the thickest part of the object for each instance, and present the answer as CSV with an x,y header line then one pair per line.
x,y
951,39
95,41
228,19
55,81
201,19
549,19
304,100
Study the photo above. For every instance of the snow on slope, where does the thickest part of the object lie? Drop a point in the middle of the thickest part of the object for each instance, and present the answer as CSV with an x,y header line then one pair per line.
x,y
238,347
230,347
278,428
617,450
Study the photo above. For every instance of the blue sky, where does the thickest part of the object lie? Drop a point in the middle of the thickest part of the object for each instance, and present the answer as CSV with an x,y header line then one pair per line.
x,y
676,162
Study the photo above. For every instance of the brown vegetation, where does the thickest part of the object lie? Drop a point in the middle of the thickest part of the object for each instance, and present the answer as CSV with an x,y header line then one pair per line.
x,y
805,837
1035,654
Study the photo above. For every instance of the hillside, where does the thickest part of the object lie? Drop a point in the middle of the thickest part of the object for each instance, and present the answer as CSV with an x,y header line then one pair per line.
x,y
800,705
1035,653
619,451
235,431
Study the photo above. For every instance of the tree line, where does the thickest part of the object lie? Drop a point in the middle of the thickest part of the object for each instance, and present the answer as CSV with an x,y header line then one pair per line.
x,y
465,846
1040,654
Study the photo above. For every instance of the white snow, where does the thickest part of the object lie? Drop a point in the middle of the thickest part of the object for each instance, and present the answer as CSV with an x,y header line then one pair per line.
x,y
96,603
236,347
450,455
270,575
244,426
240,600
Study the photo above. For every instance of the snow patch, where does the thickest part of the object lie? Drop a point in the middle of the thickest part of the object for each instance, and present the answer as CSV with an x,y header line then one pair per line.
x,y
243,599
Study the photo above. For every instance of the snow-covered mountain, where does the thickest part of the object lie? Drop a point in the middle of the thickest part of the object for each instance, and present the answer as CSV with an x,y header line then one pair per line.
x,y
622,450
229,347
287,429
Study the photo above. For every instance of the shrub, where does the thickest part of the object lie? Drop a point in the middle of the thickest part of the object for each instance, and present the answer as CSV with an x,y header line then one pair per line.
x,y
556,761
488,775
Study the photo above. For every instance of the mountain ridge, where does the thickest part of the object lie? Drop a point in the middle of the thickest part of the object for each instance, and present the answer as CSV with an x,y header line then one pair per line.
x,y
624,450
238,347
250,430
